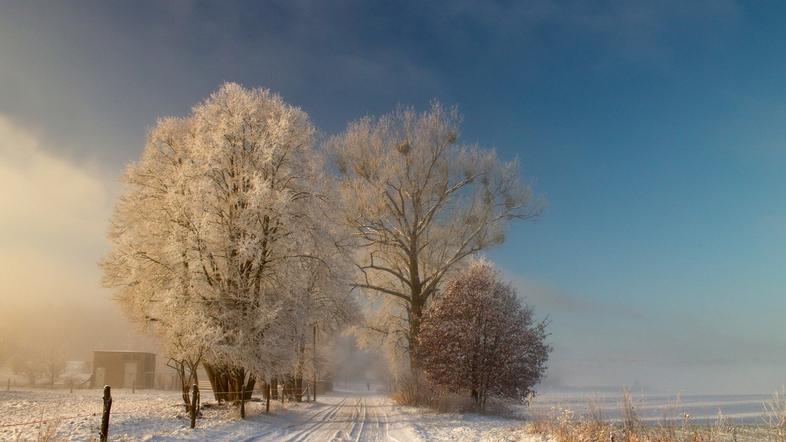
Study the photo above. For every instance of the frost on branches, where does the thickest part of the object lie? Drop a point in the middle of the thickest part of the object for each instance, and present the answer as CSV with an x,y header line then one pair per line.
x,y
477,338
220,241
419,204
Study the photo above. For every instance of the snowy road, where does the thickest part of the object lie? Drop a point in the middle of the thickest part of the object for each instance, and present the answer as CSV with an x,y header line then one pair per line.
x,y
359,417
350,417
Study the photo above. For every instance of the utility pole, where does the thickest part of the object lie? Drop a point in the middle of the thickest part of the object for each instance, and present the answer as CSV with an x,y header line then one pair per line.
x,y
314,362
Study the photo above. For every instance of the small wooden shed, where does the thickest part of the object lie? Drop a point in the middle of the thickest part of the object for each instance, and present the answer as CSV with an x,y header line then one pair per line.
x,y
124,369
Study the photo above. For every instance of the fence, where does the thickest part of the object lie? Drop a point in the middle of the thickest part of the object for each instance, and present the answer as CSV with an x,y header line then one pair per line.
x,y
104,428
105,414
194,409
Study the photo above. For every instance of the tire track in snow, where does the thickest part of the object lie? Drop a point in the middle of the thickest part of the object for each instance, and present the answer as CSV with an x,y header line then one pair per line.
x,y
384,426
350,419
304,434
313,416
362,418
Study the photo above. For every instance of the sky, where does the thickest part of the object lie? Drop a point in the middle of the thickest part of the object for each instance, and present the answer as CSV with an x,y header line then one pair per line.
x,y
653,130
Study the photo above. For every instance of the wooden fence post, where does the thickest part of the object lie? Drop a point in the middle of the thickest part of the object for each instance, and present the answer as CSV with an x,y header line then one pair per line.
x,y
268,391
193,408
105,415
133,386
243,402
314,362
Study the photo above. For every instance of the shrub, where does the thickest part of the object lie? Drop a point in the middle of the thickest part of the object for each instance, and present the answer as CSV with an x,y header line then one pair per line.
x,y
478,338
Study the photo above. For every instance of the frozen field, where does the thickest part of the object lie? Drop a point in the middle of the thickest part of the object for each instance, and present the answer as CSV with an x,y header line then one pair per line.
x,y
158,415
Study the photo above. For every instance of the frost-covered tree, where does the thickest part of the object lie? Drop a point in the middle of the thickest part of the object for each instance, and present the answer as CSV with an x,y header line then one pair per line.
x,y
324,303
219,215
476,337
419,203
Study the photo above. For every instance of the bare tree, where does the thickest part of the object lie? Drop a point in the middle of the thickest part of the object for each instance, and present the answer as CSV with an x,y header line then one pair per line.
x,y
419,203
36,361
55,363
33,368
477,337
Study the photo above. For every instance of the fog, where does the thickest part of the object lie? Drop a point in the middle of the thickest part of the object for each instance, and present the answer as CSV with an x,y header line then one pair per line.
x,y
352,366
54,215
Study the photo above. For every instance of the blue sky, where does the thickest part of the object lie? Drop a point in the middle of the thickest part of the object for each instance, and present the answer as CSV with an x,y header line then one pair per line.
x,y
654,130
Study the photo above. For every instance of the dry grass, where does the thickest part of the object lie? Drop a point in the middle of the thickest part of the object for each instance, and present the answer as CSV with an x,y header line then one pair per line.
x,y
43,432
563,426
47,431
588,430
775,414
415,390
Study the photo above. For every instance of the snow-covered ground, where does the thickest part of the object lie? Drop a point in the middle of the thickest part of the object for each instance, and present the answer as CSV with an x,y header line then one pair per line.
x,y
158,415
348,415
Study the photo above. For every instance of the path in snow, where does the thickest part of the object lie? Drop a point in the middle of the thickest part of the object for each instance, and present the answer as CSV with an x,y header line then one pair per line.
x,y
346,417
353,416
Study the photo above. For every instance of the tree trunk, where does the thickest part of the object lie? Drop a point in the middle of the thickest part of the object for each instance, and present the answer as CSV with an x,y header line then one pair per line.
x,y
289,388
186,400
185,382
219,382
274,388
267,398
299,388
415,314
250,387
229,383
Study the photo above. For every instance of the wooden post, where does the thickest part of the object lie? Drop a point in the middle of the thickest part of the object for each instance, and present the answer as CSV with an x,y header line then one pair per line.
x,y
105,416
268,391
133,386
243,402
71,385
193,408
314,362
8,385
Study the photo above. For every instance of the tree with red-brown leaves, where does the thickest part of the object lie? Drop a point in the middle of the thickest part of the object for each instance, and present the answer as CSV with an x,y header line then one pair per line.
x,y
478,338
